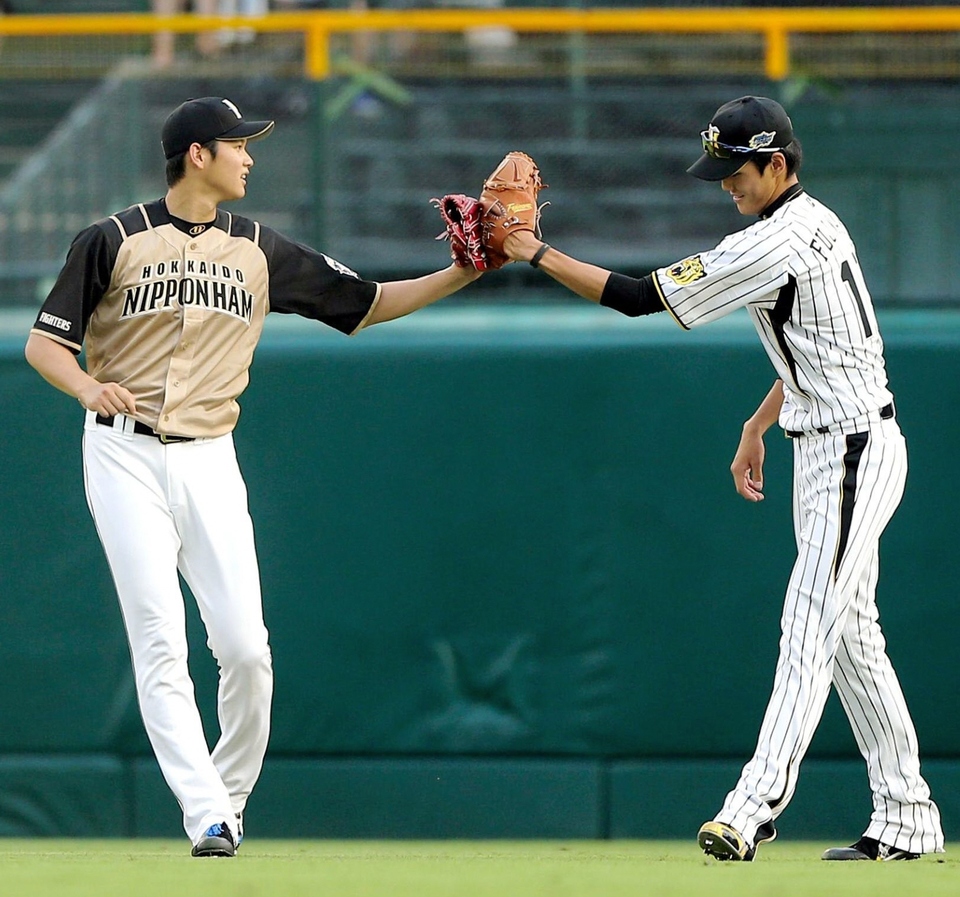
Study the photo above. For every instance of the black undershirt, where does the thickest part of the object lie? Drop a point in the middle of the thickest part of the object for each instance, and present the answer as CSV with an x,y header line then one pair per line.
x,y
630,296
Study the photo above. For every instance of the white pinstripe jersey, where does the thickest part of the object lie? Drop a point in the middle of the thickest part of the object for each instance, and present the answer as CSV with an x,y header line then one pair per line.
x,y
796,272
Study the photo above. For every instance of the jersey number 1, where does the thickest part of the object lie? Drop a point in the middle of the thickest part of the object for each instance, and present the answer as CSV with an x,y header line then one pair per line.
x,y
846,272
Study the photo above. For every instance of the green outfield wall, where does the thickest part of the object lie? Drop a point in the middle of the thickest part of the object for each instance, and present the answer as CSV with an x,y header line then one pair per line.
x,y
510,588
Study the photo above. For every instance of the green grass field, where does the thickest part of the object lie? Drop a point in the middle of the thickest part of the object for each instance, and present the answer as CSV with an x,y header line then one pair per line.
x,y
147,868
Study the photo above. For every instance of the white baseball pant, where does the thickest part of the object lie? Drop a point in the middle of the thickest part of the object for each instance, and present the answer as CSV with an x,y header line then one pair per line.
x,y
846,489
160,508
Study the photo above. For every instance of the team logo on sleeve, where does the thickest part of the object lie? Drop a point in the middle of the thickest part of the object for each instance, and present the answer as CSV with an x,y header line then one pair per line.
x,y
686,272
343,269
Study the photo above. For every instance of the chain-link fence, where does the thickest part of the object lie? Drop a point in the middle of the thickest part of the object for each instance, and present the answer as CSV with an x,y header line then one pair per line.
x,y
612,118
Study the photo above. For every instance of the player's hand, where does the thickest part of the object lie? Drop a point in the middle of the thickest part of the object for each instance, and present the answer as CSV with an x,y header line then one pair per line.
x,y
107,399
747,466
521,245
468,275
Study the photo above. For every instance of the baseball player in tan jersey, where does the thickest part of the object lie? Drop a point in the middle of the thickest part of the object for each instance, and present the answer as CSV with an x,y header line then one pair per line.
x,y
169,299
796,272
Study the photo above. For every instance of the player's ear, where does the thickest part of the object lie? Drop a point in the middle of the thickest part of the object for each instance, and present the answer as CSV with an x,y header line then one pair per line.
x,y
195,154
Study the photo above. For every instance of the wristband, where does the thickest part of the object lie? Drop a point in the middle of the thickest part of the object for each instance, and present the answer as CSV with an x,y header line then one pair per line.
x,y
535,261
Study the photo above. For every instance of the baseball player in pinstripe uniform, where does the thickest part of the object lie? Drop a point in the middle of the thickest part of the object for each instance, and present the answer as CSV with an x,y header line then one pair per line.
x,y
169,299
796,272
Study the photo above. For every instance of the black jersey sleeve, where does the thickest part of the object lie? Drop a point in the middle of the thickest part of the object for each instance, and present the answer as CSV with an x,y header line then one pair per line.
x,y
80,286
308,283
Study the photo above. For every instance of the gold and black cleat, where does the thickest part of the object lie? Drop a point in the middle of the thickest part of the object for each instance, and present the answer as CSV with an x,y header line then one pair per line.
x,y
723,842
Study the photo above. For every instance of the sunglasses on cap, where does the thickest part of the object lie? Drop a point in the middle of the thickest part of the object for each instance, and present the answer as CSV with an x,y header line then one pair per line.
x,y
715,149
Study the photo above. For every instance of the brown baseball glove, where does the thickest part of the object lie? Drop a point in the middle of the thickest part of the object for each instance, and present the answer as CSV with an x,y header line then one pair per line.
x,y
509,204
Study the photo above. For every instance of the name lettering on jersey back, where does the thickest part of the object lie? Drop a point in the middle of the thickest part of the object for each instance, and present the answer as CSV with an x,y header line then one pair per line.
x,y
191,283
822,243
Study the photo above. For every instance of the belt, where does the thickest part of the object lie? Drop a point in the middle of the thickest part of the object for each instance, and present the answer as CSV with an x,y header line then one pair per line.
x,y
886,413
144,430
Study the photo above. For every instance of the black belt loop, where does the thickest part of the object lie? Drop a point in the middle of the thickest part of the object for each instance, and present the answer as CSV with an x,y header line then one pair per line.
x,y
886,413
144,430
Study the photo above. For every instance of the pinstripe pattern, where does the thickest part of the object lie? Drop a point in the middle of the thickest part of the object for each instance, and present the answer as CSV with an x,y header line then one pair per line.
x,y
796,272
831,635
826,347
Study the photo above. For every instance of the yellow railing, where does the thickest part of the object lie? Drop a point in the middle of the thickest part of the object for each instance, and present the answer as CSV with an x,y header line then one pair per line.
x,y
775,25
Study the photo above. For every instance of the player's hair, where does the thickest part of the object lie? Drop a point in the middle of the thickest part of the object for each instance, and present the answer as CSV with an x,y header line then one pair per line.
x,y
792,152
177,166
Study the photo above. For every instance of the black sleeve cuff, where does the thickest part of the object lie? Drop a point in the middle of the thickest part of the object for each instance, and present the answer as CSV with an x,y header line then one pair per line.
x,y
630,296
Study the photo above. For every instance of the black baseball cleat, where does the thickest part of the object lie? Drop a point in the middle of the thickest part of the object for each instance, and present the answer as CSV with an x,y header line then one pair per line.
x,y
217,841
869,849
723,842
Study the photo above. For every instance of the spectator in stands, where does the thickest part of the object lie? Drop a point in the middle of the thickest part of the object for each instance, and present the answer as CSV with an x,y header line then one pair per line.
x,y
5,9
251,8
244,7
164,42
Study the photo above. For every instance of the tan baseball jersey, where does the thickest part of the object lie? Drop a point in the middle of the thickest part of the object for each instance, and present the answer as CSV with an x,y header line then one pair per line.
x,y
173,310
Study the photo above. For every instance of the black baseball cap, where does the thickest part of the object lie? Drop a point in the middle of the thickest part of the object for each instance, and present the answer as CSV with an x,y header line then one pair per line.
x,y
738,130
206,119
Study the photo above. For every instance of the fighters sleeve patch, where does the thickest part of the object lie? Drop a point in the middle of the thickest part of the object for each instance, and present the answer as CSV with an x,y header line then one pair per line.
x,y
81,283
55,322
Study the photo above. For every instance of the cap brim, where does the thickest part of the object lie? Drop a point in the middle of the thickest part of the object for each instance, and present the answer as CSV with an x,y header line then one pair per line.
x,y
248,130
707,168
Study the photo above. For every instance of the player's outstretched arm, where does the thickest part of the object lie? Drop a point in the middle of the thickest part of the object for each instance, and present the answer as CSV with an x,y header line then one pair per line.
x,y
747,466
59,367
584,279
400,297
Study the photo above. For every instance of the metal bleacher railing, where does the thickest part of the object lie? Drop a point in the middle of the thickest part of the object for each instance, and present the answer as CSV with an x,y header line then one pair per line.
x,y
382,109
776,27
